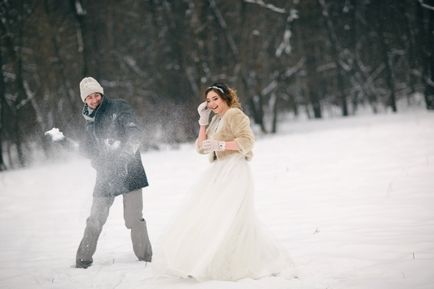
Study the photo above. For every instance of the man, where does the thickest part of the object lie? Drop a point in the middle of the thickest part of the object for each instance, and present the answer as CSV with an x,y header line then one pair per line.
x,y
111,142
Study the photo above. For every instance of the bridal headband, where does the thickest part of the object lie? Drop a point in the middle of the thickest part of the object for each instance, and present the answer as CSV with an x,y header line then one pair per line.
x,y
216,87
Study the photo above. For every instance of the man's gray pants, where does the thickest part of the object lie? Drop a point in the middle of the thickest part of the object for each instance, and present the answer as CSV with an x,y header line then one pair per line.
x,y
133,207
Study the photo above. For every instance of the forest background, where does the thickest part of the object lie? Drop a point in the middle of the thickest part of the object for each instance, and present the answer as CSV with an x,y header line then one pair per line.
x,y
287,59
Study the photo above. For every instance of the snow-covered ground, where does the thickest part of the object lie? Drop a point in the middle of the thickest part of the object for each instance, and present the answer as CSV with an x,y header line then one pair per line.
x,y
352,200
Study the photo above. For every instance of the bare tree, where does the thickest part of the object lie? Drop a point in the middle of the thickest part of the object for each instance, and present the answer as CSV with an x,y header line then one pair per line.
x,y
428,54
336,51
2,108
160,55
386,53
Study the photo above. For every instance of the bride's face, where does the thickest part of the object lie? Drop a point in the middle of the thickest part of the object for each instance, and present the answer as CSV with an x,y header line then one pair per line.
x,y
216,103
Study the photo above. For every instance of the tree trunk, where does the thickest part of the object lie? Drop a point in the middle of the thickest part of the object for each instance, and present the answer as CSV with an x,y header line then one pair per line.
x,y
385,50
2,108
429,82
335,53
19,86
80,13
275,113
312,83
257,104
61,67
412,59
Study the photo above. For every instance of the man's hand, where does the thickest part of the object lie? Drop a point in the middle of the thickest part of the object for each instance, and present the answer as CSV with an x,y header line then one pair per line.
x,y
211,145
111,145
125,156
204,112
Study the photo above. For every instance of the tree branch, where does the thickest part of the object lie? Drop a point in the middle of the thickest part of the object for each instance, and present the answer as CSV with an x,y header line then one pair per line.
x,y
426,5
267,6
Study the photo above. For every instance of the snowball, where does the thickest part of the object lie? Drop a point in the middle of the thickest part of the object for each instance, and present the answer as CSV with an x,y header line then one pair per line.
x,y
55,134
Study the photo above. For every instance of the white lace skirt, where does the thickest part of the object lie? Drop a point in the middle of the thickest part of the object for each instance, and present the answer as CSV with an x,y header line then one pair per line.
x,y
216,235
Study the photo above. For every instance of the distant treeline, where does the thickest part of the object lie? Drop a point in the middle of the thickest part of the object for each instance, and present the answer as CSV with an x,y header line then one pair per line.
x,y
307,57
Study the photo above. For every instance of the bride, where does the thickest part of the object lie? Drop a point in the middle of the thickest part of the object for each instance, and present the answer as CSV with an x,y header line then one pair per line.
x,y
217,236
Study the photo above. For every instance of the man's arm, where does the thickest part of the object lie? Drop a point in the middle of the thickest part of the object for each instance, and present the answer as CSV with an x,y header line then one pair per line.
x,y
133,134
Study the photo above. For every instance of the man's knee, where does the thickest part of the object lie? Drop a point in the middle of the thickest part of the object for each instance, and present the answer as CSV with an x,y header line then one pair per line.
x,y
95,223
133,206
135,222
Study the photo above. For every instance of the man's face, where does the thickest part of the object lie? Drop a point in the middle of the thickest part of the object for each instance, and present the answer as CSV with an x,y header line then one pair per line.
x,y
93,100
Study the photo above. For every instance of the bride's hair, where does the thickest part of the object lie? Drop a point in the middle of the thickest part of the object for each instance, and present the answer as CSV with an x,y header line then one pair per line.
x,y
228,94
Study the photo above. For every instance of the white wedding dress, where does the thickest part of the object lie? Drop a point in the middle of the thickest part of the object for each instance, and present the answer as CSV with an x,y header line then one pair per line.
x,y
216,235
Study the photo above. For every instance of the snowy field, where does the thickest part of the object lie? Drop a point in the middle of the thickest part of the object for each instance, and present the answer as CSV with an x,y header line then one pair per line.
x,y
352,200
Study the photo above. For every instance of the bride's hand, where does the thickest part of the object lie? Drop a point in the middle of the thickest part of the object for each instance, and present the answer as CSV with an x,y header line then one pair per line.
x,y
204,112
211,145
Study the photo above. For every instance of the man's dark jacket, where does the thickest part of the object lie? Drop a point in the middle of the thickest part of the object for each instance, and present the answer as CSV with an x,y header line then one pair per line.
x,y
111,142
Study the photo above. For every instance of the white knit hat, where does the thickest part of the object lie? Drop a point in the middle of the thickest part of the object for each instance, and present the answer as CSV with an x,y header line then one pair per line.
x,y
89,85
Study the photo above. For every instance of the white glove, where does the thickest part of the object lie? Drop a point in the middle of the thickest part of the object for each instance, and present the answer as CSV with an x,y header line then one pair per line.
x,y
111,144
204,112
211,145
